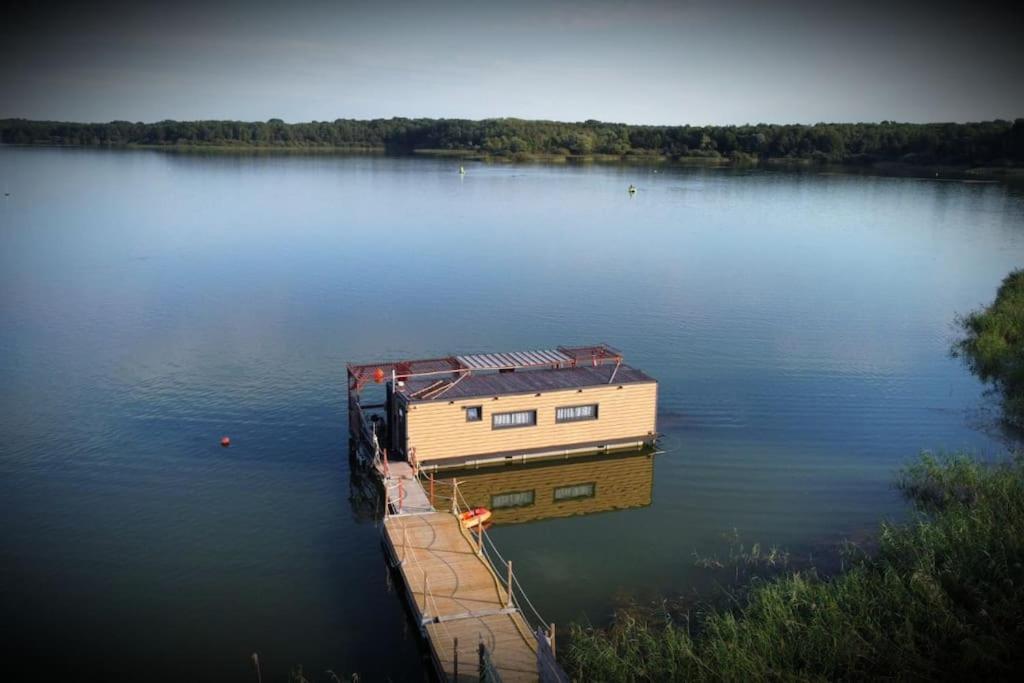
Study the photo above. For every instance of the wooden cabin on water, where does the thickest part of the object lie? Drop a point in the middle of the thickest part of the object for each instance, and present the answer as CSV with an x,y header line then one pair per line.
x,y
504,407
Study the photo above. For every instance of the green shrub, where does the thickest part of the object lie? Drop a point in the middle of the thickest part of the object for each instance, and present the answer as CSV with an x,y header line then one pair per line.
x,y
993,345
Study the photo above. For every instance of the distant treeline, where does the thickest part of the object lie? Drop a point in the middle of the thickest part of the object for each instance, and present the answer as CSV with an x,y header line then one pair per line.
x,y
989,142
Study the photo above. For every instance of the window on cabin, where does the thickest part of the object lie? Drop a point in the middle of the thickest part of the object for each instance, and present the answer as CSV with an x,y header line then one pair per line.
x,y
512,499
575,491
474,413
520,418
576,413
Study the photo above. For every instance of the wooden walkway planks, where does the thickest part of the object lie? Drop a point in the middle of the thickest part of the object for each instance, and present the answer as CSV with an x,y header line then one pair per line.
x,y
455,594
403,488
511,656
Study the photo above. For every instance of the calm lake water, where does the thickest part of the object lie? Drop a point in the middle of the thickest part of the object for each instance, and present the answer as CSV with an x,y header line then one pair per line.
x,y
150,303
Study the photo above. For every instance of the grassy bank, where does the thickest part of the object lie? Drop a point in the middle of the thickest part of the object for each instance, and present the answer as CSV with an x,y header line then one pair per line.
x,y
1011,174
215,148
943,597
993,345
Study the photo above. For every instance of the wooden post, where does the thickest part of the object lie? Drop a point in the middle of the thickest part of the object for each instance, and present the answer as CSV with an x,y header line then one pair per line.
x,y
455,660
432,490
426,592
552,637
480,539
256,664
455,496
509,584
401,495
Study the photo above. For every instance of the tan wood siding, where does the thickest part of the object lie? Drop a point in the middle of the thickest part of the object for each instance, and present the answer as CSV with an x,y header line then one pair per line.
x,y
620,482
438,429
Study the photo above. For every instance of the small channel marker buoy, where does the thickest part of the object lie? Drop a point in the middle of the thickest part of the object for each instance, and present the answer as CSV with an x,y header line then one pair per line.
x,y
225,441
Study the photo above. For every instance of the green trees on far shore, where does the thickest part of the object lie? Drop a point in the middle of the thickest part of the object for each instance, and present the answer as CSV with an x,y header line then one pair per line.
x,y
989,142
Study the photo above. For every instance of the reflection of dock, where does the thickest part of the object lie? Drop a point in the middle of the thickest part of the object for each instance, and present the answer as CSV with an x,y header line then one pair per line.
x,y
469,612
559,488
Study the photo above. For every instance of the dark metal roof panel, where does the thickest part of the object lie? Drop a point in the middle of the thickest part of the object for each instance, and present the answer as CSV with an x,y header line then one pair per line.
x,y
524,382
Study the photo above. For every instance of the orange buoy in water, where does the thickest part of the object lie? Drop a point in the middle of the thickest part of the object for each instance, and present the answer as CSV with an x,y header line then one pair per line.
x,y
225,442
378,375
474,517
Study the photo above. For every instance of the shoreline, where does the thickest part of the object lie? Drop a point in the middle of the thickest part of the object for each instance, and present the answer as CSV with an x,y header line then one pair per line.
x,y
965,173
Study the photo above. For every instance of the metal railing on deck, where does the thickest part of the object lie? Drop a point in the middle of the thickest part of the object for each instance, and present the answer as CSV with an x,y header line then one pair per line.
x,y
444,495
515,595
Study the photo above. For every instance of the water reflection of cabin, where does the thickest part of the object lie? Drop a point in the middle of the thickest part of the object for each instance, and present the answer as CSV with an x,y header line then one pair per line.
x,y
547,489
505,407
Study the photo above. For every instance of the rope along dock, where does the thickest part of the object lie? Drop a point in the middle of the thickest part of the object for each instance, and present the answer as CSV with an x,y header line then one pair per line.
x,y
464,595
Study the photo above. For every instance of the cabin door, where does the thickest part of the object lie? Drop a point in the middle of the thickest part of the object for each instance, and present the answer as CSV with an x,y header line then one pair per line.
x,y
400,430
396,424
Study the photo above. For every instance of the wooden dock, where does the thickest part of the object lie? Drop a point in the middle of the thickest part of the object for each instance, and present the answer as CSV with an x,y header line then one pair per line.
x,y
474,628
405,494
429,414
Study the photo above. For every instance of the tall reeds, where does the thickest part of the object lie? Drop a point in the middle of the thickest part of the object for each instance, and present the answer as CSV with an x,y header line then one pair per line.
x,y
942,598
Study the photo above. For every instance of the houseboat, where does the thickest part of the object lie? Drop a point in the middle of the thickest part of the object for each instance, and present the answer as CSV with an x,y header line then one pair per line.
x,y
491,408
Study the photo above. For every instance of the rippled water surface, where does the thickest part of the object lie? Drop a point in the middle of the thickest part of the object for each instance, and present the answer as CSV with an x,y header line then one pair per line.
x,y
150,303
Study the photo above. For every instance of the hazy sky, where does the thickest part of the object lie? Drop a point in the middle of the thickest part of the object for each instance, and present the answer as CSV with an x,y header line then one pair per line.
x,y
637,62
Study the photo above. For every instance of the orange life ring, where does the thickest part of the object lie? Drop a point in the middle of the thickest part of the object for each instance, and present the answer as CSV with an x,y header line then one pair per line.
x,y
475,517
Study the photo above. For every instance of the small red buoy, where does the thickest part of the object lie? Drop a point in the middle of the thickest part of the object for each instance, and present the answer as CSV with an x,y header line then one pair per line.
x,y
225,442
378,375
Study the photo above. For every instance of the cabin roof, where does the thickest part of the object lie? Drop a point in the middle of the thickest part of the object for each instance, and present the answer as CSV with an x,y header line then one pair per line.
x,y
493,374
524,382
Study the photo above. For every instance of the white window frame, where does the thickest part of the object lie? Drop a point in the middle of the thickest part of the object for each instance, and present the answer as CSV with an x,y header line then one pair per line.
x,y
514,419
566,414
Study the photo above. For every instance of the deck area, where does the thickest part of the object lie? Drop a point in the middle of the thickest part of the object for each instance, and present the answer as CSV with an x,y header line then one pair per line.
x,y
457,598
404,492
456,595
